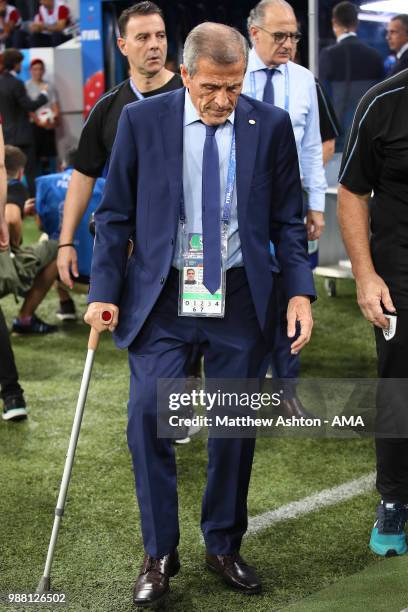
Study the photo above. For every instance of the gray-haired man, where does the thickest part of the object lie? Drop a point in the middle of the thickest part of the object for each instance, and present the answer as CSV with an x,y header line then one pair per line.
x,y
180,161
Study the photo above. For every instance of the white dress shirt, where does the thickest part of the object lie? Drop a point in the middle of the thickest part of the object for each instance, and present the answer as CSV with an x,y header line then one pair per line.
x,y
295,91
345,35
402,50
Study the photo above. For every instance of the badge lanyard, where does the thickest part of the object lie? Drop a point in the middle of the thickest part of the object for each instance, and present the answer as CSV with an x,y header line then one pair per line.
x,y
194,298
253,87
135,90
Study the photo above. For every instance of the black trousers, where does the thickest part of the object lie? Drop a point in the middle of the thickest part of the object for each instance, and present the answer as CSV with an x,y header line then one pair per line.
x,y
392,453
8,371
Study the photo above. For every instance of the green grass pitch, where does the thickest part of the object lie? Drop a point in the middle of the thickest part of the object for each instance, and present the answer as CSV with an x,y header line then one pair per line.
x,y
301,561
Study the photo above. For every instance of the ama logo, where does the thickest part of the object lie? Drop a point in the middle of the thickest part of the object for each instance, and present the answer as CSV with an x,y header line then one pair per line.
x,y
347,421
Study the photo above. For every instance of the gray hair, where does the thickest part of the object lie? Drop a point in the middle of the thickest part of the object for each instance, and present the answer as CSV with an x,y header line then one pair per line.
x,y
214,41
257,15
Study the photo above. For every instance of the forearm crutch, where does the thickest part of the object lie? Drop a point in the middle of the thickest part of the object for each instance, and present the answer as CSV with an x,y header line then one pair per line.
x,y
44,584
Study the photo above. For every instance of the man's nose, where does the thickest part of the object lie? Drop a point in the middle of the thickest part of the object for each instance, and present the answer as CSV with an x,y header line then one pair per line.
x,y
221,98
153,43
289,44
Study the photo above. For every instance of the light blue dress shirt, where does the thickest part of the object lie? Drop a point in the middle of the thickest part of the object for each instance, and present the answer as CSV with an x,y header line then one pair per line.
x,y
193,145
296,86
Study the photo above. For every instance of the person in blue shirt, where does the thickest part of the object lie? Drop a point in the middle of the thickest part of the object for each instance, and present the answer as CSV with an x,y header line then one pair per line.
x,y
271,76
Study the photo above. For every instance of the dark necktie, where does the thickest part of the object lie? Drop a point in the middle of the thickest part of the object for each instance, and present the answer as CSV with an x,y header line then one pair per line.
x,y
268,93
211,214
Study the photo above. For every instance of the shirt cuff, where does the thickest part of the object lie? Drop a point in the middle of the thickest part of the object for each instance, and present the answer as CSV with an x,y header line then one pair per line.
x,y
316,202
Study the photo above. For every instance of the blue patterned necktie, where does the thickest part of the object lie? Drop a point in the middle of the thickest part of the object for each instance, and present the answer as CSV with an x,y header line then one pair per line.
x,y
211,213
268,93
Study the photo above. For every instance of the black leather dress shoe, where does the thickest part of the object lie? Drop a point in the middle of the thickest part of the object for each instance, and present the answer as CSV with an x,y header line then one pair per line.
x,y
152,583
293,407
235,572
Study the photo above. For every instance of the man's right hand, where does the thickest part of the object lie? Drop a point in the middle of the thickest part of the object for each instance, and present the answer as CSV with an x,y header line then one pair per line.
x,y
314,224
67,262
371,293
94,318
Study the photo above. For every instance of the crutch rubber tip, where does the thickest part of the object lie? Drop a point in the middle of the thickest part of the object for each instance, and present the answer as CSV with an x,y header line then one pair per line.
x,y
106,316
44,585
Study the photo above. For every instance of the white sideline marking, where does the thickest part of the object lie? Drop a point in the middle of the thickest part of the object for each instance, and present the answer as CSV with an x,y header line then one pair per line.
x,y
327,497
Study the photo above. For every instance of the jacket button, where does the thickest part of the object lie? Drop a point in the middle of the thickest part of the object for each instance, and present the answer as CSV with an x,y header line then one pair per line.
x,y
162,280
172,241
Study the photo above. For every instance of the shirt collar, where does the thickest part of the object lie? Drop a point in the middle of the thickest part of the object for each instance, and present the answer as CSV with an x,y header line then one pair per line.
x,y
190,112
345,35
402,50
255,63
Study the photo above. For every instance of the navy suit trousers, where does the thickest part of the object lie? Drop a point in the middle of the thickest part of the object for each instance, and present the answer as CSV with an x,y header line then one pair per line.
x,y
233,347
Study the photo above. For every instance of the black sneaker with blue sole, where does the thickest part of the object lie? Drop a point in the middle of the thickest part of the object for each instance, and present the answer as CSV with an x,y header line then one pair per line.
x,y
388,537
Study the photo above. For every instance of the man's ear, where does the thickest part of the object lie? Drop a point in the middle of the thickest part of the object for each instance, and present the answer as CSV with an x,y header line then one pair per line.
x,y
253,33
185,76
121,42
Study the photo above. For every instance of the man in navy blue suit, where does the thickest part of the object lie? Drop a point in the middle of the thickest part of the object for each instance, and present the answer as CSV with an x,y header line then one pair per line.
x,y
348,68
397,38
207,168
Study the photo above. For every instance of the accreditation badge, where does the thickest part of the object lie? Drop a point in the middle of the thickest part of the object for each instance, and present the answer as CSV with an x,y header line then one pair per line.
x,y
194,298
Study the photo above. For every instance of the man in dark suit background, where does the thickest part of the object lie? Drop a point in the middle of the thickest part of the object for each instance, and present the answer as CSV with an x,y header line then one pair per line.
x,y
397,38
348,68
174,148
15,105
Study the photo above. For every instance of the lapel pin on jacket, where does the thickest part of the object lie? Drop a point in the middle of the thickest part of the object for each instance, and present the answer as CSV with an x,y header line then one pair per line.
x,y
252,121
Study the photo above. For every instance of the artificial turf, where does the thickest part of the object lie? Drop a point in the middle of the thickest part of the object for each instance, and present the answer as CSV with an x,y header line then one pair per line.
x,y
379,587
99,547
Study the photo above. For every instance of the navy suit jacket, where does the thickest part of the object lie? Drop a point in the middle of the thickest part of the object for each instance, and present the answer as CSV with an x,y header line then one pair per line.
x,y
15,104
350,59
348,69
142,201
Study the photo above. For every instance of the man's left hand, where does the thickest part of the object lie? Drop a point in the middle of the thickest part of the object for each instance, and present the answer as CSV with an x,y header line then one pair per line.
x,y
4,235
314,224
299,309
